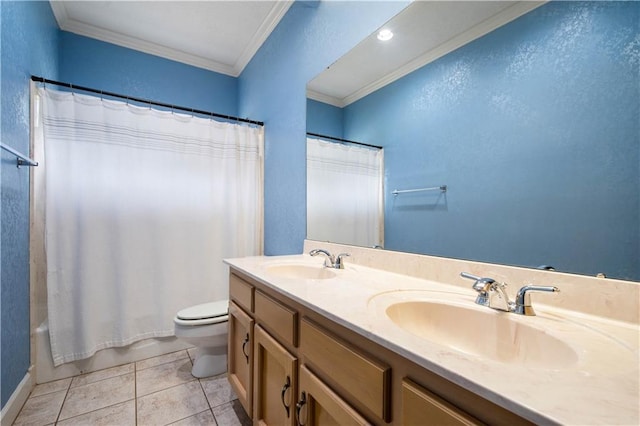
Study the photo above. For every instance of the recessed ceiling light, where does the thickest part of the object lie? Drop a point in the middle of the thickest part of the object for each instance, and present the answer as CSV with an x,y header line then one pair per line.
x,y
385,35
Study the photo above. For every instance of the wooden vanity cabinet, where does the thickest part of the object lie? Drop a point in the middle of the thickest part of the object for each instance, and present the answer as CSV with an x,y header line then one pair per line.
x,y
270,393
304,362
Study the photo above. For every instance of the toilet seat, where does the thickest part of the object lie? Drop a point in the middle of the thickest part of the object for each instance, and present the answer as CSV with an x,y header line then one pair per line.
x,y
204,314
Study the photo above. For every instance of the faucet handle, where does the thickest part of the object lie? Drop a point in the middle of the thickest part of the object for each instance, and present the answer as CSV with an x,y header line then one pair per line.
x,y
523,298
329,261
481,285
469,276
339,261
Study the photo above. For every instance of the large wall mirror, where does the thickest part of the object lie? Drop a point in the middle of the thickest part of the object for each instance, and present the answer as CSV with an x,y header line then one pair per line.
x,y
528,113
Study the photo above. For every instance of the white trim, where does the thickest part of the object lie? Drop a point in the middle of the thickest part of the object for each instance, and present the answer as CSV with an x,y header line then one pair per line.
x,y
507,15
60,12
101,34
276,13
327,99
271,21
19,396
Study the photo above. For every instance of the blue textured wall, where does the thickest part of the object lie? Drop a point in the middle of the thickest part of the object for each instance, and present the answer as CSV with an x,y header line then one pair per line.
x,y
273,89
535,128
99,65
29,46
324,119
33,45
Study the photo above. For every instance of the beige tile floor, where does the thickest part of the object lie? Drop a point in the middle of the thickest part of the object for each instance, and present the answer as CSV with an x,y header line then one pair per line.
x,y
155,391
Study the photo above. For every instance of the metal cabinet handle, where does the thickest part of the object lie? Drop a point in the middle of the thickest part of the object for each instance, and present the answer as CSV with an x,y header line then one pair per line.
x,y
299,405
244,346
286,386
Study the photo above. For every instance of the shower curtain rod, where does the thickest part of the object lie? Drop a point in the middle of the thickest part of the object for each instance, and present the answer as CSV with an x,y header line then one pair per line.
x,y
144,101
343,140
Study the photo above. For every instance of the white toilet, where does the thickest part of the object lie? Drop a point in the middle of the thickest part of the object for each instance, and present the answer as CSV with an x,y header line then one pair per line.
x,y
205,327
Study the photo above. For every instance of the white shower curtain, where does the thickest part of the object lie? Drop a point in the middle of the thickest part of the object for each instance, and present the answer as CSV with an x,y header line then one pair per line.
x,y
141,208
344,193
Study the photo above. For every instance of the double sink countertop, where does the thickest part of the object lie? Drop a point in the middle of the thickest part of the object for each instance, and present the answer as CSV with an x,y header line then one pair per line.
x,y
560,366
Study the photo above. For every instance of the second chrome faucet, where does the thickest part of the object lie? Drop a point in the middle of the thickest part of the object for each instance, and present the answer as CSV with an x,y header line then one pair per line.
x,y
493,295
329,260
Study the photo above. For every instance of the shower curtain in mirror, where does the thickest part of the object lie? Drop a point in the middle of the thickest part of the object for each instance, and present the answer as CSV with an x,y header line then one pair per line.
x,y
141,207
344,193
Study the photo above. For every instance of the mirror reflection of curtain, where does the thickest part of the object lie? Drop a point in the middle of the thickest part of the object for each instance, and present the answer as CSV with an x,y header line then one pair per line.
x,y
344,193
141,207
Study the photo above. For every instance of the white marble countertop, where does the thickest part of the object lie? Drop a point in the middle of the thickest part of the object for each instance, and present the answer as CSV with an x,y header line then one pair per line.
x,y
597,384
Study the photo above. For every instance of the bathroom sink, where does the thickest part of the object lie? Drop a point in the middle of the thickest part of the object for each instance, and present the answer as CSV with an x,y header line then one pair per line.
x,y
302,272
482,332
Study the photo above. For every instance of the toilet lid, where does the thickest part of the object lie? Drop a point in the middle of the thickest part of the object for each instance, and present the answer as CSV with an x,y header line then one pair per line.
x,y
205,311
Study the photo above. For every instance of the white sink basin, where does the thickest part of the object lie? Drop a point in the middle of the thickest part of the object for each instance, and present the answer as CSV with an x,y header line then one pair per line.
x,y
301,272
482,332
552,340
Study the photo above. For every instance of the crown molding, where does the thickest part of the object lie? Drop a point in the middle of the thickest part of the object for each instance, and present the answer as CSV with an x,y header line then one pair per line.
x,y
276,13
273,18
477,31
326,99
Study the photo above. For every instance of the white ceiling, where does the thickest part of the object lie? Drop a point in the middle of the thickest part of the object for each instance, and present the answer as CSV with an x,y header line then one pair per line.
x,y
423,32
220,36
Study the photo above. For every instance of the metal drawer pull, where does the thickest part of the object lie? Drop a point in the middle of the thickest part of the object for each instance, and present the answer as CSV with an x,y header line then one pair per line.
x,y
244,345
299,405
286,386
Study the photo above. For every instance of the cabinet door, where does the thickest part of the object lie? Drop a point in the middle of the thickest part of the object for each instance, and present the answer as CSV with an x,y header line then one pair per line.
x,y
318,405
240,355
275,381
420,407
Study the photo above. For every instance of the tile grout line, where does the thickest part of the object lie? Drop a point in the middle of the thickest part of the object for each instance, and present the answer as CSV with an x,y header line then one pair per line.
x,y
97,409
92,411
135,393
164,389
63,401
166,362
206,398
192,415
99,380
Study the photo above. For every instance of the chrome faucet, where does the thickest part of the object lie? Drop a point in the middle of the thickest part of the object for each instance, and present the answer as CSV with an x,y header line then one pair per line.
x,y
523,298
329,260
492,294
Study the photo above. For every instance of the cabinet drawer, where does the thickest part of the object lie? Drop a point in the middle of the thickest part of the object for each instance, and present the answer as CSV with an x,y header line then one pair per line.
x,y
241,292
277,318
363,377
419,407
